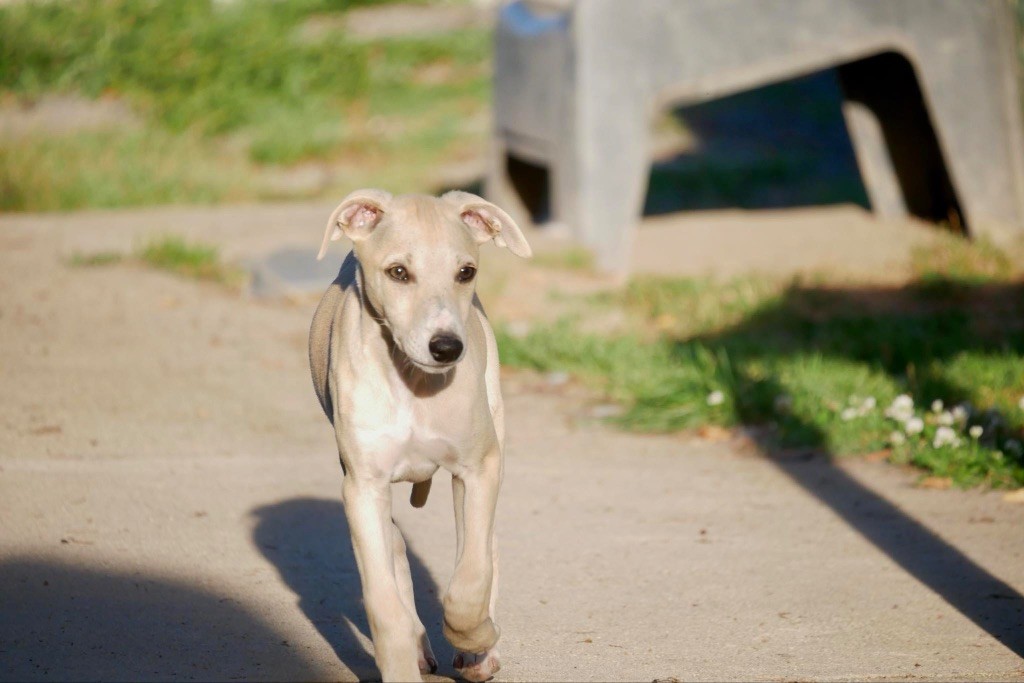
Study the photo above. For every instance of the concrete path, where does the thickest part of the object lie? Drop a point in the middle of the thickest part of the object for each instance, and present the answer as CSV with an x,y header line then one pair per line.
x,y
170,508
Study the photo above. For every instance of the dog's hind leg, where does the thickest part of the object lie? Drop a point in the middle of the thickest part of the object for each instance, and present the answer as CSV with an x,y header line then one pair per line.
x,y
427,662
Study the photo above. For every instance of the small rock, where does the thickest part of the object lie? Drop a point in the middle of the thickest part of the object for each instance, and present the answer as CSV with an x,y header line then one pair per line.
x,y
603,411
879,456
557,378
47,429
714,433
518,329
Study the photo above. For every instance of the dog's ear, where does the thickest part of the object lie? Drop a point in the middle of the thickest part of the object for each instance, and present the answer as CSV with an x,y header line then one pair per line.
x,y
356,217
488,222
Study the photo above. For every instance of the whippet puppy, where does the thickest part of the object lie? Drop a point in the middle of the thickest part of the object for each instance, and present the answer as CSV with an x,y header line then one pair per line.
x,y
405,366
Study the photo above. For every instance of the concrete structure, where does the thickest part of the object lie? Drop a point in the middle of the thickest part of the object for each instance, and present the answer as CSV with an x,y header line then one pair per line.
x,y
931,101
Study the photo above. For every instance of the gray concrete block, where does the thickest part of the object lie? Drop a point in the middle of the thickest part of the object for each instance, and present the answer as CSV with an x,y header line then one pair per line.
x,y
931,100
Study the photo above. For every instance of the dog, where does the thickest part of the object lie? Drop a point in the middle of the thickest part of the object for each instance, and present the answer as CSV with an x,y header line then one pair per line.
x,y
405,365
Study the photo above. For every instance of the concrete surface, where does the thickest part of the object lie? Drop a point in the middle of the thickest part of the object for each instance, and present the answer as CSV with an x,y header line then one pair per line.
x,y
171,503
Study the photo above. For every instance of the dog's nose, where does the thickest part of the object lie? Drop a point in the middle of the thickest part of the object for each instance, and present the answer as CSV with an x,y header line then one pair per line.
x,y
445,348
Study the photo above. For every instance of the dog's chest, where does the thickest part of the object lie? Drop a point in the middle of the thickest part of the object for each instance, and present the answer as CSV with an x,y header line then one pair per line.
x,y
408,443
418,451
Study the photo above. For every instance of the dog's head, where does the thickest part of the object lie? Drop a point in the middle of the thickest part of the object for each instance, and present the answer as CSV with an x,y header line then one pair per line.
x,y
419,257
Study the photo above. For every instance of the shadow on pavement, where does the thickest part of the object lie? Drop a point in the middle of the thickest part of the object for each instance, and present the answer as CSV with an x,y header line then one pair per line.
x,y
989,602
307,540
913,333
59,622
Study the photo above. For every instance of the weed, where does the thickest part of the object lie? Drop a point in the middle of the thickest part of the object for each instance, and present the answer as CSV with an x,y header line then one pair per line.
x,y
100,258
573,258
198,261
191,260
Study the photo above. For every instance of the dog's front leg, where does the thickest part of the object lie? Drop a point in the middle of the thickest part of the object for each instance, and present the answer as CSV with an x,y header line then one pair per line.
x,y
468,608
393,629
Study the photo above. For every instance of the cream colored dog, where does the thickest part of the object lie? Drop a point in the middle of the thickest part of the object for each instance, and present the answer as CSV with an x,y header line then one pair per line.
x,y
405,365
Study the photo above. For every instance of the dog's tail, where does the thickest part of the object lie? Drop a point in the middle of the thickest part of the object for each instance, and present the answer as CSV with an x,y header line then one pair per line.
x,y
420,491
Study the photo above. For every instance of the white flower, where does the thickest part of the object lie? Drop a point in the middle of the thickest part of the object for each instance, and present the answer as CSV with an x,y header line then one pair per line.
x,y
901,409
903,401
914,425
937,406
976,431
716,398
961,413
863,407
897,439
945,436
848,414
945,418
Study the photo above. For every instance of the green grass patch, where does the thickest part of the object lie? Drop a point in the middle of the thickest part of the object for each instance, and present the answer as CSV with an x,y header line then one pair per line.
x,y
108,168
955,261
100,258
573,258
192,260
816,365
226,90
191,63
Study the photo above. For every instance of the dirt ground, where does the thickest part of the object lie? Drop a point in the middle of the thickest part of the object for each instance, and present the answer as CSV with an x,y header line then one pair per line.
x,y
171,495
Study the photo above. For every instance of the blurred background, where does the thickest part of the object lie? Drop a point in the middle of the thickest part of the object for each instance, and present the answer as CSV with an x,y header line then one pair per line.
x,y
138,102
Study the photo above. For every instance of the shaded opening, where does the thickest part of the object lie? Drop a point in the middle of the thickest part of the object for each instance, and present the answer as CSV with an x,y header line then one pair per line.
x,y
789,144
783,145
532,184
888,87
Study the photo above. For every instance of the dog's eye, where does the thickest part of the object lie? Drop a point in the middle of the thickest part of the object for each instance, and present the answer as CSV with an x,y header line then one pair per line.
x,y
398,273
466,273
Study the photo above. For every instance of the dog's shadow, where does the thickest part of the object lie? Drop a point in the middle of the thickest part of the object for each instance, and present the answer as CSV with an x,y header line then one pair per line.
x,y
307,540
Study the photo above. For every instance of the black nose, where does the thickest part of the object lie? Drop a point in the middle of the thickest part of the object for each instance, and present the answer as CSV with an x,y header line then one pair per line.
x,y
445,348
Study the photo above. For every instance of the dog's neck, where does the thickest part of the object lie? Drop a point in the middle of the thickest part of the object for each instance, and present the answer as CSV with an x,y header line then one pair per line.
x,y
420,382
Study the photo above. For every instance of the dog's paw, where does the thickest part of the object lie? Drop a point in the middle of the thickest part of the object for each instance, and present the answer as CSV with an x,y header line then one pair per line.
x,y
477,667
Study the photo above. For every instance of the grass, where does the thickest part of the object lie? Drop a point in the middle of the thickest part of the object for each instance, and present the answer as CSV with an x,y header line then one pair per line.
x,y
190,63
100,258
108,168
195,261
192,260
571,258
815,365
227,93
